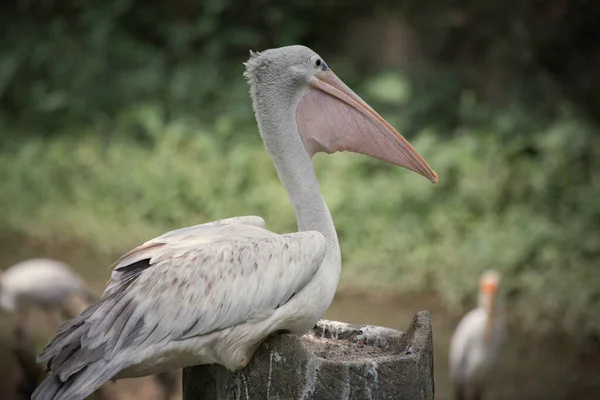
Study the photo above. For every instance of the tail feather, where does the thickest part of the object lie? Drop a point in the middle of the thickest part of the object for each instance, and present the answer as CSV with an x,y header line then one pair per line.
x,y
63,390
69,332
48,389
88,350
76,387
76,359
63,356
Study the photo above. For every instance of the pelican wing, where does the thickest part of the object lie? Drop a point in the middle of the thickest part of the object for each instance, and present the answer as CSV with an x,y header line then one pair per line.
x,y
187,283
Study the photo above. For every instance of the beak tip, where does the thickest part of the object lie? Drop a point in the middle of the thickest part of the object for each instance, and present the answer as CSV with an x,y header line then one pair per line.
x,y
434,177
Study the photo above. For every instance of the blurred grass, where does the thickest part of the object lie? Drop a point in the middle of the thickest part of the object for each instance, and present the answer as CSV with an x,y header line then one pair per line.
x,y
491,209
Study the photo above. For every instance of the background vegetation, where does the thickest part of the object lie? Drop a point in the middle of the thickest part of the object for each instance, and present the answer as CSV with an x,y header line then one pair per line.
x,y
122,119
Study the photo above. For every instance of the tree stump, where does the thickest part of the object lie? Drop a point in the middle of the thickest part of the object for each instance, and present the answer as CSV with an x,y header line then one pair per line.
x,y
334,360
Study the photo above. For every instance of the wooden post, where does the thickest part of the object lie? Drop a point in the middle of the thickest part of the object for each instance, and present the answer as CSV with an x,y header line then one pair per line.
x,y
335,360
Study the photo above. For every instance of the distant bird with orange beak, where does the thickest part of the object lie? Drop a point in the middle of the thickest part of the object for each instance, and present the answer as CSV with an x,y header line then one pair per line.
x,y
477,341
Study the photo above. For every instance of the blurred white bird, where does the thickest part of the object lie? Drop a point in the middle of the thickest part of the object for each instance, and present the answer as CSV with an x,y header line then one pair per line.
x,y
477,341
40,283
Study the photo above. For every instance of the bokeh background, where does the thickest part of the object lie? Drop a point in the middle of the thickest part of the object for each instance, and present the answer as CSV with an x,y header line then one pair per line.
x,y
122,119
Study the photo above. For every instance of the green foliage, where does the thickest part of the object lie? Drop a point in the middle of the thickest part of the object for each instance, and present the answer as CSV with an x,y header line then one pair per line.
x,y
73,63
535,218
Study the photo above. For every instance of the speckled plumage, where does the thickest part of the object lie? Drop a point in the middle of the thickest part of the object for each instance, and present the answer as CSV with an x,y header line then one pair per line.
x,y
185,286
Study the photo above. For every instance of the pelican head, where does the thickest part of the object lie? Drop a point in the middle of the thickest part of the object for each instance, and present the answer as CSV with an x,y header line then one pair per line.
x,y
295,84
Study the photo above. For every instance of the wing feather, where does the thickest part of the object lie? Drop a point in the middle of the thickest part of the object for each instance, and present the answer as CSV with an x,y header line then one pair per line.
x,y
187,283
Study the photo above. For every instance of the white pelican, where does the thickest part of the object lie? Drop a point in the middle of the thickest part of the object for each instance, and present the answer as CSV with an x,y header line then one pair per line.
x,y
212,293
477,341
40,283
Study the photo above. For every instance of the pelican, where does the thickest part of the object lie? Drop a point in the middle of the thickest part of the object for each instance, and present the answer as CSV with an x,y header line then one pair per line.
x,y
212,293
40,283
477,341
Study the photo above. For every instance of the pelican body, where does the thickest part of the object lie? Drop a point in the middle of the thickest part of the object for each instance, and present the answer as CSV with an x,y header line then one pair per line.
x,y
477,342
212,293
39,283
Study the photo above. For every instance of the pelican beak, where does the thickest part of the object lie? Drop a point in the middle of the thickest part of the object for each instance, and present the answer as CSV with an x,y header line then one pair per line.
x,y
331,117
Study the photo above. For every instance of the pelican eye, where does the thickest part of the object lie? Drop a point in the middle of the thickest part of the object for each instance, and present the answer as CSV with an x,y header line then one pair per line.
x,y
320,64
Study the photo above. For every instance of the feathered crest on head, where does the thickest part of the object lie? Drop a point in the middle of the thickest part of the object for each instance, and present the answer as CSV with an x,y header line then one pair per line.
x,y
255,64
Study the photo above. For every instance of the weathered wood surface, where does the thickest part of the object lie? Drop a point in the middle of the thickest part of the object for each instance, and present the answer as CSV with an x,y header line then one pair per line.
x,y
334,361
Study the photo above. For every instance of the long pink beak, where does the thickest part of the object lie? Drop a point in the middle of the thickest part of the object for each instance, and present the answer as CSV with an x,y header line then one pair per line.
x,y
331,117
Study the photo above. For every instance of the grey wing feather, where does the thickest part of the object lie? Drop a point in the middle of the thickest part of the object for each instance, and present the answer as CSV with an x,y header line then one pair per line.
x,y
187,233
245,220
185,283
